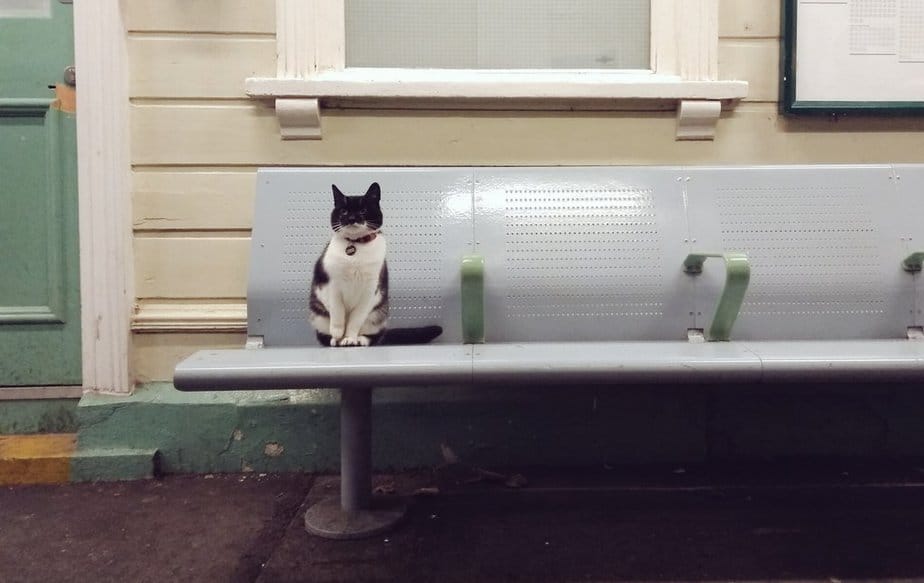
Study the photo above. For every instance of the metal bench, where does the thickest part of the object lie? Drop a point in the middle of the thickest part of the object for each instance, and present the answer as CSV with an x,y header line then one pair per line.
x,y
587,275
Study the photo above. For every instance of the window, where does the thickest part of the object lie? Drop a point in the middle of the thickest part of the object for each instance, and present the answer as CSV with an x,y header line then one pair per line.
x,y
429,52
492,34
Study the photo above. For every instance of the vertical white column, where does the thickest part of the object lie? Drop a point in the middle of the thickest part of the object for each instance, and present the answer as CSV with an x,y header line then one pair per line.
x,y
104,183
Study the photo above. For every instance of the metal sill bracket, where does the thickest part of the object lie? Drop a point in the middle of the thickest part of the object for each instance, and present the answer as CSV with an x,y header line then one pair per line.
x,y
737,277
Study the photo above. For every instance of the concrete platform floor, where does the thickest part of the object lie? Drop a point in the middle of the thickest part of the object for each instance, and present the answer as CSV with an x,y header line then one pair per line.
x,y
782,522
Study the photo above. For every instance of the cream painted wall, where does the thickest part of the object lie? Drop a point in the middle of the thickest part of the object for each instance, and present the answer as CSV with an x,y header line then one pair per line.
x,y
197,140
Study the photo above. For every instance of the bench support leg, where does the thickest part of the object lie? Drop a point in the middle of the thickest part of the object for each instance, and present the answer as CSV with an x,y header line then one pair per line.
x,y
356,513
355,449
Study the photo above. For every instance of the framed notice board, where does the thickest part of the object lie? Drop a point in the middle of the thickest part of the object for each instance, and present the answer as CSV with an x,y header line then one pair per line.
x,y
853,56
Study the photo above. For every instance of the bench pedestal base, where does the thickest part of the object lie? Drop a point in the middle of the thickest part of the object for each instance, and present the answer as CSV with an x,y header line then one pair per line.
x,y
328,519
355,513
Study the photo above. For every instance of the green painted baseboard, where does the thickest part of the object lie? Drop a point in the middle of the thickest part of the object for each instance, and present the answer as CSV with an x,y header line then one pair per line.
x,y
89,465
497,426
38,416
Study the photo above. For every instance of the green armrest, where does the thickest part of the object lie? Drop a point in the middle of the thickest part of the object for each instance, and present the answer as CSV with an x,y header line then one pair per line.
x,y
737,277
473,299
914,261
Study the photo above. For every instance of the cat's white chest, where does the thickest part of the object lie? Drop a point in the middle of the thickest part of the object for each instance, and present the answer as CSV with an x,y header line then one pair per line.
x,y
358,269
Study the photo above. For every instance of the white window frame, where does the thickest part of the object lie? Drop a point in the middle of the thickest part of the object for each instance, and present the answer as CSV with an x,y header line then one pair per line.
x,y
311,69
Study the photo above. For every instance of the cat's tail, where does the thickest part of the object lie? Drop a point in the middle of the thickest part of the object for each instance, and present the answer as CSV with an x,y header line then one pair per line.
x,y
421,335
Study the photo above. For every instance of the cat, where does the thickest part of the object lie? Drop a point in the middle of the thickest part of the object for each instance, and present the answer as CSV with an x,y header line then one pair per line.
x,y
348,305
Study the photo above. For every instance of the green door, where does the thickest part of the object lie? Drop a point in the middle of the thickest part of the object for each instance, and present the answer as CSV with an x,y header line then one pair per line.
x,y
39,273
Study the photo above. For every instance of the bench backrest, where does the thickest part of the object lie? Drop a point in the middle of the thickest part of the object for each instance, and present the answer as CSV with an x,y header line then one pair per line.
x,y
595,253
825,245
583,254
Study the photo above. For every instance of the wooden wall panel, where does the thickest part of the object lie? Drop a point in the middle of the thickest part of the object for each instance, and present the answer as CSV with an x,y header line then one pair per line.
x,y
191,267
212,16
756,61
197,67
752,134
155,355
194,201
749,18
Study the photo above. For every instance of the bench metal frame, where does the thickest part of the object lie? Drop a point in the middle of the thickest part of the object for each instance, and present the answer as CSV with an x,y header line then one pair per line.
x,y
471,212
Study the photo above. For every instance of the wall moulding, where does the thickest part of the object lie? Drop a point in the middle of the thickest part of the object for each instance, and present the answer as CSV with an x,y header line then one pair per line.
x,y
162,316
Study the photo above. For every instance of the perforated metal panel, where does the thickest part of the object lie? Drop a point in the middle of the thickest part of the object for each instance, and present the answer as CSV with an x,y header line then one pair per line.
x,y
594,253
427,222
824,243
583,253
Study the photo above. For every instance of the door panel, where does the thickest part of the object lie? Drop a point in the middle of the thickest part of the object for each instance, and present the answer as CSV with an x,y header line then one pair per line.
x,y
39,274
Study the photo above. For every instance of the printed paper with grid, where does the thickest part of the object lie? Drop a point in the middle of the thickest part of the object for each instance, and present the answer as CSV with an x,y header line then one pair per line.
x,y
911,31
873,25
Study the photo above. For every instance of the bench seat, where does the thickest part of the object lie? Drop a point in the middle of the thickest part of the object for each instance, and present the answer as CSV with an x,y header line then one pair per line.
x,y
532,363
839,360
317,366
613,363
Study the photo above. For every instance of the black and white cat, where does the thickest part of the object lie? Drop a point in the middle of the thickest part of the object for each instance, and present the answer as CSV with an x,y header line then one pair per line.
x,y
348,305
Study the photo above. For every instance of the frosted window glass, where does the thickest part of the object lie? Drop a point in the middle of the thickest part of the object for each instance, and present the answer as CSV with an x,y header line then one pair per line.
x,y
498,34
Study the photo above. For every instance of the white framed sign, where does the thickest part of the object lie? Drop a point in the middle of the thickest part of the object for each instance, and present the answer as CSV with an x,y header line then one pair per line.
x,y
855,56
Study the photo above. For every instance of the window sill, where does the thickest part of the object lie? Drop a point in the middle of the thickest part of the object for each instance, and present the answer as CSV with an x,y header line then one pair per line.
x,y
298,101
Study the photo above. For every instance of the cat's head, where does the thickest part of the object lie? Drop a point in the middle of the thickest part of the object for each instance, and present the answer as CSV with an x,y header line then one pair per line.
x,y
356,216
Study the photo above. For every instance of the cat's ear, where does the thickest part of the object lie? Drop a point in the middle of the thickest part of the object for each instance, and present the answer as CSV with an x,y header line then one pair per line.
x,y
339,198
374,192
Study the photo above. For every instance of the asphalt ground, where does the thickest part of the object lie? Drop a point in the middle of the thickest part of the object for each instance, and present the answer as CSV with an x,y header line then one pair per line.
x,y
805,521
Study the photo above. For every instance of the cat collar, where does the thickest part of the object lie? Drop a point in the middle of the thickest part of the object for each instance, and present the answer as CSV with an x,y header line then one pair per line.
x,y
351,248
370,237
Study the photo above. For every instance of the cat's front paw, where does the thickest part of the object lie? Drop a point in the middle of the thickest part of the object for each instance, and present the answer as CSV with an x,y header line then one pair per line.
x,y
355,341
